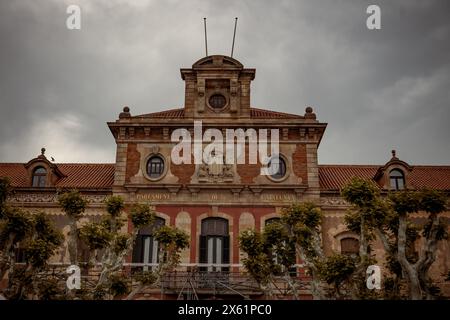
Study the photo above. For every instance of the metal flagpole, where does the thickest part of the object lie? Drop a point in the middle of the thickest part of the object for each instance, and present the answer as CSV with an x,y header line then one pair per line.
x,y
206,38
234,36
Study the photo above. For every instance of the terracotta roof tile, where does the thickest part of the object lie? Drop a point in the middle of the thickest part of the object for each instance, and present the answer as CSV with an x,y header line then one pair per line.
x,y
334,177
261,113
167,114
254,112
331,177
436,177
77,175
92,175
16,173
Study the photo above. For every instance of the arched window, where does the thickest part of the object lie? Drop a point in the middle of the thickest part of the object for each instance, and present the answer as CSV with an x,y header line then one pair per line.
x,y
214,243
155,167
397,179
146,248
277,168
272,220
349,246
39,177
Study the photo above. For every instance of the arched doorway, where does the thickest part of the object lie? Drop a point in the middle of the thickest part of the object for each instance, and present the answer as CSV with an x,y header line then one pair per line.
x,y
146,248
214,244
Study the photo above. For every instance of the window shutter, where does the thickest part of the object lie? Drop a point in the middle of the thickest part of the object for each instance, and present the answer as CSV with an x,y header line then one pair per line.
x,y
137,250
226,249
226,252
203,258
203,249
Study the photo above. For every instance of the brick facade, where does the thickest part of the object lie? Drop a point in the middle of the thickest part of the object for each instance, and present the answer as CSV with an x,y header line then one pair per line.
x,y
184,195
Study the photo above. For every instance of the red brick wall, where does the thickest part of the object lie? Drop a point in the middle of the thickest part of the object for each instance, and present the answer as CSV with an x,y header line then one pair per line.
x,y
133,161
184,172
247,171
299,163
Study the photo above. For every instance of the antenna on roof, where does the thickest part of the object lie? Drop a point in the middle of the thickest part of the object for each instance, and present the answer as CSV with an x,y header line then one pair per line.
x,y
234,36
206,38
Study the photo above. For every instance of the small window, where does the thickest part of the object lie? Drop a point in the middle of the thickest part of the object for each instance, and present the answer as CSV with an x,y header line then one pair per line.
x,y
155,167
217,101
397,179
349,246
277,166
39,177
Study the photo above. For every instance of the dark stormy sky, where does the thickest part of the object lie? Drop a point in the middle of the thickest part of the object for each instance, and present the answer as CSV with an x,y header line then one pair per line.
x,y
376,89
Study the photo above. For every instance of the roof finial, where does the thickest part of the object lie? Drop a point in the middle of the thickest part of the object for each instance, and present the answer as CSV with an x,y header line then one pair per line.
x,y
309,114
394,153
42,151
125,113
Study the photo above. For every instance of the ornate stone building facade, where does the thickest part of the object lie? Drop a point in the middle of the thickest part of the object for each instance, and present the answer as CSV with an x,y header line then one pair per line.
x,y
214,203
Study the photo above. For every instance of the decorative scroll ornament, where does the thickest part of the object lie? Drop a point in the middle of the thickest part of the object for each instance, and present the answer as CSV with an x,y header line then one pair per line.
x,y
49,198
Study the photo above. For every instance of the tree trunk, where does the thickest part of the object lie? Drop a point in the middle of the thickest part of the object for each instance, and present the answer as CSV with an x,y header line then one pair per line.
x,y
291,284
135,291
73,242
428,256
415,290
316,288
5,256
112,262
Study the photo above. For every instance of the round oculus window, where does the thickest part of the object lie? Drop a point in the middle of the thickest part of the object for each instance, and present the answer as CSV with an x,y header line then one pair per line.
x,y
217,101
277,168
155,167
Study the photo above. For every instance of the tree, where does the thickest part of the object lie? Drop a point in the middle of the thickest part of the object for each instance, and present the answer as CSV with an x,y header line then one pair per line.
x,y
337,269
106,237
303,222
42,243
171,241
15,226
272,252
269,255
389,219
38,239
73,204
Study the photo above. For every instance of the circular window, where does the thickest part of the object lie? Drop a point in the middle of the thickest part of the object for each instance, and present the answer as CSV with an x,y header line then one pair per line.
x,y
155,167
277,168
217,101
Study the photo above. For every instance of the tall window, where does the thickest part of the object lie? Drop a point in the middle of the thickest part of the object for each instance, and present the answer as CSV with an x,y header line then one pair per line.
x,y
146,248
39,177
155,167
397,179
214,244
349,246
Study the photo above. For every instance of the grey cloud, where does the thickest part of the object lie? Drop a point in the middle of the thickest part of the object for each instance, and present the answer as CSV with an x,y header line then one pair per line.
x,y
377,90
